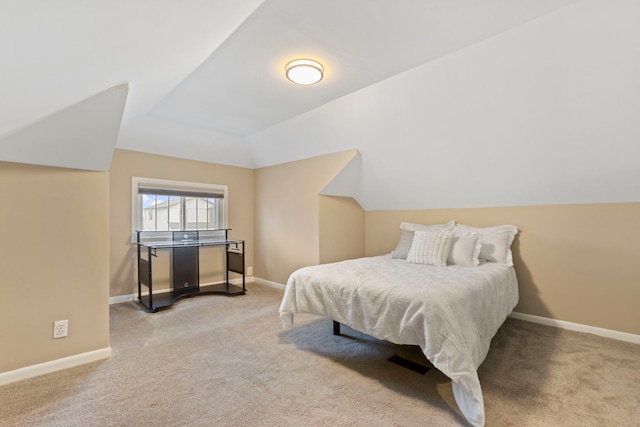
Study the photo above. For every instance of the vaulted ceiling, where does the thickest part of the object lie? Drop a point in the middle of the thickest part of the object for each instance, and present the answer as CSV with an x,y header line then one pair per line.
x,y
532,100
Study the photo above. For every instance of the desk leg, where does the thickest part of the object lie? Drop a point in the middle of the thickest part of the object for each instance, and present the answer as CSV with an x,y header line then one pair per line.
x,y
139,278
150,280
226,270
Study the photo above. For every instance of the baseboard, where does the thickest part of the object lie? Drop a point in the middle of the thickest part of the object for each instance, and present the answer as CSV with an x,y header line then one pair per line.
x,y
134,297
123,298
608,333
269,283
54,365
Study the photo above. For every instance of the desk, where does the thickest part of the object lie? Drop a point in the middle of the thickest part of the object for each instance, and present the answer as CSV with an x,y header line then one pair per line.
x,y
185,269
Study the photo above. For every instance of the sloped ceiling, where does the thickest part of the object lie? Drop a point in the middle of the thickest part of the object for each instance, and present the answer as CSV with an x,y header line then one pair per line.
x,y
82,136
451,103
58,54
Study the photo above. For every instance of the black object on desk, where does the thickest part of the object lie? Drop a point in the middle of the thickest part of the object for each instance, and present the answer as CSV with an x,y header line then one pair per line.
x,y
184,247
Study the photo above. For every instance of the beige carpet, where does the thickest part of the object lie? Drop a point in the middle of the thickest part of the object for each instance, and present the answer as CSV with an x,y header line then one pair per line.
x,y
220,361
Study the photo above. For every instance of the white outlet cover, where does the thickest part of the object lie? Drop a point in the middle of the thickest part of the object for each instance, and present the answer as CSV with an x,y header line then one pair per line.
x,y
60,328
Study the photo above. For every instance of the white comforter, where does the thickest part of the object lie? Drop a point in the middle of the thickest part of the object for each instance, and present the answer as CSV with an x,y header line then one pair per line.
x,y
451,312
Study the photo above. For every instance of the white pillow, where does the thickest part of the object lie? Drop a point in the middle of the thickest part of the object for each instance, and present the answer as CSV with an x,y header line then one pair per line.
x,y
408,226
406,237
465,249
430,247
496,245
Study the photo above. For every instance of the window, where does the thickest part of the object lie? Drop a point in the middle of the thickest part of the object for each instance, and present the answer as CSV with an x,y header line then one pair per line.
x,y
161,205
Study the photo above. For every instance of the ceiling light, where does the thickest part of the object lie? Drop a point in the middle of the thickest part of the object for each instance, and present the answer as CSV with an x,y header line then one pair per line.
x,y
304,71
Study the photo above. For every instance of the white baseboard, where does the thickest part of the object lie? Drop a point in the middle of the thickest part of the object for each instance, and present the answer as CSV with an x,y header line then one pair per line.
x,y
608,333
238,280
123,298
134,297
54,365
269,283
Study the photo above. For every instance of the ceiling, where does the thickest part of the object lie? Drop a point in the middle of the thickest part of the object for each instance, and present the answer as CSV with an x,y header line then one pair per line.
x,y
204,80
216,67
240,88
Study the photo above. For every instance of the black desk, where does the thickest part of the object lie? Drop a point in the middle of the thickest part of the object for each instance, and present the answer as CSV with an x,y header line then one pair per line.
x,y
185,270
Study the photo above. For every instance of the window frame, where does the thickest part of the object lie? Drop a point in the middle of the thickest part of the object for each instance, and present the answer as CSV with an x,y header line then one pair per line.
x,y
168,185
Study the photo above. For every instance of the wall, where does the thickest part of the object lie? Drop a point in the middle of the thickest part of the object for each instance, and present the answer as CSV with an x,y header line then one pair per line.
x,y
341,229
54,262
127,164
576,263
288,213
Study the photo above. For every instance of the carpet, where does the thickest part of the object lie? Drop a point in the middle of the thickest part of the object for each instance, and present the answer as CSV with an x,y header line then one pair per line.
x,y
226,361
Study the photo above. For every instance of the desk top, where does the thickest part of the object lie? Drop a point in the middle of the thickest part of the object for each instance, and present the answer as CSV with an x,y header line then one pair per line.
x,y
186,243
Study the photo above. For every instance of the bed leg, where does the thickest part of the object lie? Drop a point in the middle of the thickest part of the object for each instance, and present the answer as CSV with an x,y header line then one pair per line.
x,y
336,328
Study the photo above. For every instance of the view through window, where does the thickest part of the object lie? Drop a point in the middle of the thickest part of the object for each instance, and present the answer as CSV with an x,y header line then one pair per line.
x,y
171,205
162,212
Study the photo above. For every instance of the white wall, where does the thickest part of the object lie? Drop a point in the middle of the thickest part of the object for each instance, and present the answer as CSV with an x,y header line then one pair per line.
x,y
543,114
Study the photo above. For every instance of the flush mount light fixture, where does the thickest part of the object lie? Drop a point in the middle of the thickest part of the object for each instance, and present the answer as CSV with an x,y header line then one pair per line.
x,y
304,71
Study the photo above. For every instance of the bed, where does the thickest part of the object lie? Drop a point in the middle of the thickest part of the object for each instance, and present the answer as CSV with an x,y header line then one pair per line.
x,y
451,311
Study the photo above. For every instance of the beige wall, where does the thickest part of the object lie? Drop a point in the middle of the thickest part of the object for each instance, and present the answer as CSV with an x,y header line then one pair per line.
x,y
66,244
127,164
577,263
287,213
341,229
54,262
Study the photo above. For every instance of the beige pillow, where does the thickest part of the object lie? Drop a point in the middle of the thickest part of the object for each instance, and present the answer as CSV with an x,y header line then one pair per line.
x,y
404,244
496,245
465,249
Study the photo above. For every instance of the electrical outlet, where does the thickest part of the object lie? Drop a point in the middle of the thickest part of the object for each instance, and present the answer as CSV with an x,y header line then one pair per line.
x,y
249,271
60,328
